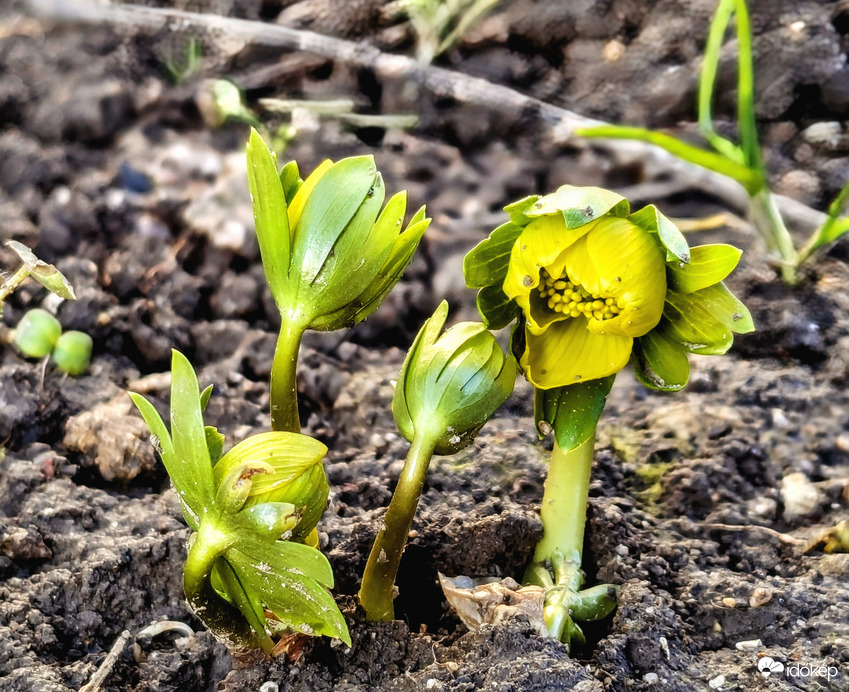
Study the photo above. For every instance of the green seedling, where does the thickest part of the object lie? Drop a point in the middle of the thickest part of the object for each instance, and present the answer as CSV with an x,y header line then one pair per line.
x,y
439,25
743,162
252,571
72,352
589,287
46,274
330,254
37,333
450,385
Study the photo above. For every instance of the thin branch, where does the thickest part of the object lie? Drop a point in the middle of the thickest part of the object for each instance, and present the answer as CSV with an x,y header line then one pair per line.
x,y
438,80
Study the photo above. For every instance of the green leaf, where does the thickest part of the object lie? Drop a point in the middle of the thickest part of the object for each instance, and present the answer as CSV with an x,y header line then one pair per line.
x,y
580,205
290,180
204,397
693,325
369,300
292,581
673,241
659,362
46,274
486,263
214,442
336,199
267,520
726,307
709,264
747,177
191,469
496,309
571,412
225,580
518,210
161,441
270,215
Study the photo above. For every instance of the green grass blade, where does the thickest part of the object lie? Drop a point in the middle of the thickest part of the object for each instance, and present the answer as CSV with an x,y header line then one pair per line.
x,y
686,152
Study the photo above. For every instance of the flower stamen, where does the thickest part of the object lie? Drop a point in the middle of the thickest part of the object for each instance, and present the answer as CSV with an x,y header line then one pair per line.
x,y
563,296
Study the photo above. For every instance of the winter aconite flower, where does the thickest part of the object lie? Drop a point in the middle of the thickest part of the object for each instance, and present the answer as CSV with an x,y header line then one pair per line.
x,y
593,285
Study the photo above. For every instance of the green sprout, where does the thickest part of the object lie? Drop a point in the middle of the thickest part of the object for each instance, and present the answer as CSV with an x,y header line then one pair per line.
x,y
590,287
450,385
46,274
252,571
330,254
744,162
440,24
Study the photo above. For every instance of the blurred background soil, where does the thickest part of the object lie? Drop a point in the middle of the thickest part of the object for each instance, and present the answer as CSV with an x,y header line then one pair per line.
x,y
711,507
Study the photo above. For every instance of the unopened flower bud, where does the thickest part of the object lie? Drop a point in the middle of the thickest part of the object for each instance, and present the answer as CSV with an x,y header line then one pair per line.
x,y
330,254
451,383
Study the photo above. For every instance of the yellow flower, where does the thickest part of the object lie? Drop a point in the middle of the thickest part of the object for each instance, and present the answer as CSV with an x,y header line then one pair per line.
x,y
586,293
592,285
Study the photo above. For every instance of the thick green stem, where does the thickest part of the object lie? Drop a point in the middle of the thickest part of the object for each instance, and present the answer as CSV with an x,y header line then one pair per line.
x,y
378,589
284,378
556,564
223,618
564,502
770,225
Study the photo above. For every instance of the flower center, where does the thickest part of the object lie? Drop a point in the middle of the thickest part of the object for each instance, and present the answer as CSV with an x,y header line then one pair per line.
x,y
574,300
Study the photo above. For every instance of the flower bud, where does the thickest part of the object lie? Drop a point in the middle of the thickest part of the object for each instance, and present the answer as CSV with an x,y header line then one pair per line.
x,y
330,254
275,467
37,333
451,383
72,353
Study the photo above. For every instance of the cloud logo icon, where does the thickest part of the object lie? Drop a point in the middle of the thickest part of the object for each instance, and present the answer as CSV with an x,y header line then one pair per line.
x,y
768,666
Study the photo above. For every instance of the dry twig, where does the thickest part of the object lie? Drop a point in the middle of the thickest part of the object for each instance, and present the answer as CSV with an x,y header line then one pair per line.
x,y
440,81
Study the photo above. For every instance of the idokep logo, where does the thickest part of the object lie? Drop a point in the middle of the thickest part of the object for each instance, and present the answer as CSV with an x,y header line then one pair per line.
x,y
770,667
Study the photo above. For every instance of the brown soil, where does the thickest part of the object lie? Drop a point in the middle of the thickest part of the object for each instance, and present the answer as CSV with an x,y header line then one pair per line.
x,y
705,505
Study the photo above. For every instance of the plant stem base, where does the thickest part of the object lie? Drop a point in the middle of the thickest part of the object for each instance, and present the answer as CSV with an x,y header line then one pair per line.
x,y
566,603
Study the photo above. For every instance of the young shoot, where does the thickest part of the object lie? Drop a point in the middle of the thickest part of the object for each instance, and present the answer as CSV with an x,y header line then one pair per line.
x,y
592,286
744,162
46,274
252,571
330,254
39,335
450,385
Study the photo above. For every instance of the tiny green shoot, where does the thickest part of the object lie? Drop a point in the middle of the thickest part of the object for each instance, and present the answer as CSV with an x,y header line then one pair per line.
x,y
46,274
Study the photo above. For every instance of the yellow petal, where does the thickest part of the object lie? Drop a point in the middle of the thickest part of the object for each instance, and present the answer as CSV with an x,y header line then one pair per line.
x,y
303,193
568,353
620,260
540,245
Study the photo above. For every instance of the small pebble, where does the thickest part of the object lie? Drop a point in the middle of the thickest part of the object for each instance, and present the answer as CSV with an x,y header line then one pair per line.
x,y
650,678
729,602
748,645
717,682
269,686
759,597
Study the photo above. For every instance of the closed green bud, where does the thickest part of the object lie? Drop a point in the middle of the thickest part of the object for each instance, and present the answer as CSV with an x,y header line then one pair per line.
x,y
37,333
451,383
73,352
330,254
275,468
